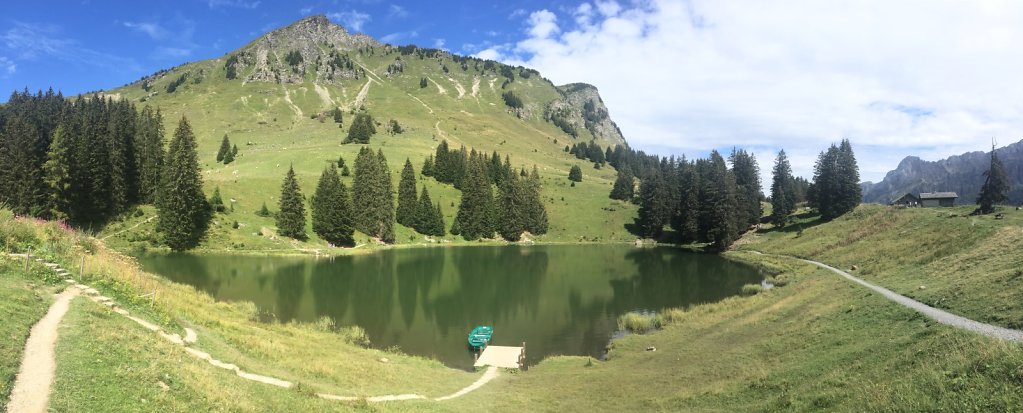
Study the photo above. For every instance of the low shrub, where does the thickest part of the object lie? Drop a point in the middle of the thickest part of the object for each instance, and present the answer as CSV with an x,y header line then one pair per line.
x,y
639,322
751,289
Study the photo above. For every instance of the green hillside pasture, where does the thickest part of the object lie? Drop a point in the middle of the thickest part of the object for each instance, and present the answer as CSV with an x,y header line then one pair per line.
x,y
945,258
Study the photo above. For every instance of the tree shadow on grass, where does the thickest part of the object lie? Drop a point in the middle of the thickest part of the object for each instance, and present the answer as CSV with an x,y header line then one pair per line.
x,y
797,222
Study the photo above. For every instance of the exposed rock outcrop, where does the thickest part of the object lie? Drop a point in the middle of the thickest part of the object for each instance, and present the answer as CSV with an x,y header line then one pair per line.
x,y
313,45
582,110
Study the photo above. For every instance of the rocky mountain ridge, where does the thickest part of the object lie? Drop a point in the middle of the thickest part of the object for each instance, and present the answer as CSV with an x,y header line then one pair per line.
x,y
962,174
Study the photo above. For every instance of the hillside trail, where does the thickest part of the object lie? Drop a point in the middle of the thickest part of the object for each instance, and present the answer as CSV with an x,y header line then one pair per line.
x,y
150,219
440,89
361,97
324,95
458,87
31,391
420,102
287,99
941,316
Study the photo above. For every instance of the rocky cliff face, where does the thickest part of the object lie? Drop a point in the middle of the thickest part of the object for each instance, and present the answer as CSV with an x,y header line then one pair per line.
x,y
311,48
582,109
962,174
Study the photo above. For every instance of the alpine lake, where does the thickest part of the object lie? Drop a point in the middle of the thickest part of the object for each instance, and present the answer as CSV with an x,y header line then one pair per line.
x,y
558,299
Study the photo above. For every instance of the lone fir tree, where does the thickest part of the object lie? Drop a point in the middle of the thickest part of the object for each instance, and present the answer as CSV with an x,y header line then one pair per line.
x,y
996,184
291,213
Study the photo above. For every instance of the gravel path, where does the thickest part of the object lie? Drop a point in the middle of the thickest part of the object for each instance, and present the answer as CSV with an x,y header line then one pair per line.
x,y
941,316
31,390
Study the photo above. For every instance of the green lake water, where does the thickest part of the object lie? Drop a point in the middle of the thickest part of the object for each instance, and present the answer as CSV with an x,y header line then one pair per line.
x,y
559,299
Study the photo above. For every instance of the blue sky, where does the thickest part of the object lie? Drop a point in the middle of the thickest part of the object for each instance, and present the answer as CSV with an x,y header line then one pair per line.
x,y
87,45
896,78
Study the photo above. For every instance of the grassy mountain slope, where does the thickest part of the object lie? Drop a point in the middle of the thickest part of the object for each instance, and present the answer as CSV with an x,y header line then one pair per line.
x,y
275,124
968,265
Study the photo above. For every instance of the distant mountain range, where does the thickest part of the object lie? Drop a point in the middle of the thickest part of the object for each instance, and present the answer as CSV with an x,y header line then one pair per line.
x,y
962,174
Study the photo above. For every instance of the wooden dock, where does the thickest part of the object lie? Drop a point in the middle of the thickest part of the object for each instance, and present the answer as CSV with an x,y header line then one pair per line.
x,y
503,356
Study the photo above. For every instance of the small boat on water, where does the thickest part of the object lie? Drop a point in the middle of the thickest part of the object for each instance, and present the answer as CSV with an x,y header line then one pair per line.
x,y
479,337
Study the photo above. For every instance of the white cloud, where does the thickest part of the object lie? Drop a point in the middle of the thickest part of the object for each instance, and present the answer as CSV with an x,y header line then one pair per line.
x,y
305,10
32,41
397,11
174,42
543,24
895,78
399,37
8,67
439,44
351,19
153,30
517,13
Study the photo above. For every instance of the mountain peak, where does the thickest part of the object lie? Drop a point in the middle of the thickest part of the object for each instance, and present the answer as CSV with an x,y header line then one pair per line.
x,y
312,45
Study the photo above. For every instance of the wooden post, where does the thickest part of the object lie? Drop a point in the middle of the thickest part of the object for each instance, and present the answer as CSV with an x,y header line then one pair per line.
x,y
28,256
81,269
522,356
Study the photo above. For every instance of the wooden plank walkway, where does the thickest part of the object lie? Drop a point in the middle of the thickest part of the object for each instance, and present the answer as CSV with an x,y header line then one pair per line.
x,y
502,356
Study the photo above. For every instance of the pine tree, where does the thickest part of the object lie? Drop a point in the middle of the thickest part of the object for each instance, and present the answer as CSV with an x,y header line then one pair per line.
x,y
407,202
216,202
437,226
123,185
996,185
850,192
225,148
822,192
364,191
230,155
291,212
57,175
361,130
372,196
536,212
151,154
337,116
183,213
575,174
653,197
718,204
263,210
386,205
686,217
624,186
782,191
747,183
427,166
424,213
332,210
511,208
475,212
20,179
835,189
429,219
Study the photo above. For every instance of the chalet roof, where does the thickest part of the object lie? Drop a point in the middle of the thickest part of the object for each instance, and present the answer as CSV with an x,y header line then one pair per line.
x,y
905,198
938,195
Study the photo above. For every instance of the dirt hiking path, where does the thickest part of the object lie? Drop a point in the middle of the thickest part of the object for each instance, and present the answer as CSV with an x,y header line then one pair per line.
x,y
31,391
941,316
